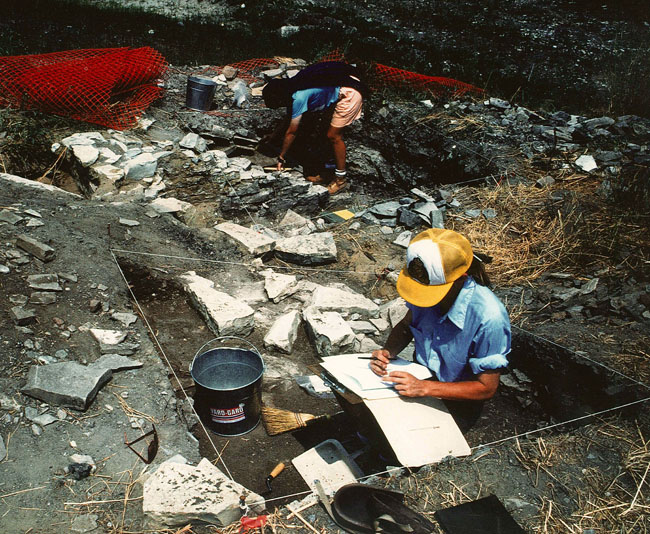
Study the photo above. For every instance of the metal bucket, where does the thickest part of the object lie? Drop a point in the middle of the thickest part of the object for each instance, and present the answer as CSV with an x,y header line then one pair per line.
x,y
228,396
200,92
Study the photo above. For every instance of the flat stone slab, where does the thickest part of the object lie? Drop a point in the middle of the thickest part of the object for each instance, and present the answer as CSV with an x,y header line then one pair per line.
x,y
170,205
284,331
42,251
254,242
35,185
66,383
127,319
10,217
44,282
125,349
312,249
279,286
177,494
328,331
223,314
116,362
394,311
344,301
23,317
42,297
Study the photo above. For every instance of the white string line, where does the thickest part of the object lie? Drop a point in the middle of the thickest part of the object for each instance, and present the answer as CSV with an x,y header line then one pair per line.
x,y
584,357
241,264
595,414
144,317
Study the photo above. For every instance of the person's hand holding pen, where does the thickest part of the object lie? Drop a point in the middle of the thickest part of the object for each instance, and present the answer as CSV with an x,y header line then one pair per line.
x,y
379,362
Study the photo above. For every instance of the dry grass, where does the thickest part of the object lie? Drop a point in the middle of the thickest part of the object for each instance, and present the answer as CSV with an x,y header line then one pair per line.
x,y
532,234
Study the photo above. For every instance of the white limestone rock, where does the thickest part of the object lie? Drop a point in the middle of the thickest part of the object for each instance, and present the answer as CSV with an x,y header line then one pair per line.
x,y
284,332
312,249
178,494
394,311
328,331
193,141
279,286
108,337
86,154
170,205
255,243
223,314
343,300
142,166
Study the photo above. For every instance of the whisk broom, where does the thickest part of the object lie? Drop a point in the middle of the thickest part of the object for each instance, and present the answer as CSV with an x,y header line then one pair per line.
x,y
276,420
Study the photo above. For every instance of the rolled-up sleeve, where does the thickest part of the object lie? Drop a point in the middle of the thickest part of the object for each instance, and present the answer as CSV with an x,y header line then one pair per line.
x,y
491,346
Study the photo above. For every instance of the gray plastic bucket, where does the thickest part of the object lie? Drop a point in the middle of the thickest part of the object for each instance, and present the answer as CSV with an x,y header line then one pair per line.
x,y
200,92
228,393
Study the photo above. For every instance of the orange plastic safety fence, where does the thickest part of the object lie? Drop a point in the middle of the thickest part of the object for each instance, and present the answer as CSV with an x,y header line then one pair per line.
x,y
380,76
111,86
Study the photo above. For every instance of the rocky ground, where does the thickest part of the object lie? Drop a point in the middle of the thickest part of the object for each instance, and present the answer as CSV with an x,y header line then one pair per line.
x,y
98,266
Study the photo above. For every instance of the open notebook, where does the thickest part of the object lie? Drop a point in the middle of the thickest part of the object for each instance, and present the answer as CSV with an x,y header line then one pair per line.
x,y
353,371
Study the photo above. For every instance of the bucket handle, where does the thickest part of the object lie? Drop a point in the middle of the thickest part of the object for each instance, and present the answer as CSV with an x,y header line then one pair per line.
x,y
220,339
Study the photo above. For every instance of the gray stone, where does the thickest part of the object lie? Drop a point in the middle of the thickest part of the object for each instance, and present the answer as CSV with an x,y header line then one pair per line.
x,y
42,251
386,209
44,282
69,277
177,494
343,300
590,286
313,249
381,324
293,224
598,122
489,213
10,217
328,331
3,449
84,523
194,141
368,217
473,213
126,349
430,214
368,345
23,317
409,218
36,430
108,337
82,138
422,195
393,311
586,163
44,419
141,166
32,184
223,314
386,230
65,384
545,181
283,332
170,205
279,286
564,294
4,269
42,297
85,154
128,222
253,242
127,319
498,103
403,239
362,327
116,362
34,223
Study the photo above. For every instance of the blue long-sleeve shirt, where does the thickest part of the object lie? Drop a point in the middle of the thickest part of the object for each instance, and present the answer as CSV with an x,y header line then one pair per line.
x,y
471,338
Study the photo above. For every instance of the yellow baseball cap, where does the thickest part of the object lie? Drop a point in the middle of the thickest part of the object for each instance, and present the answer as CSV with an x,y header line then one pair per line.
x,y
435,259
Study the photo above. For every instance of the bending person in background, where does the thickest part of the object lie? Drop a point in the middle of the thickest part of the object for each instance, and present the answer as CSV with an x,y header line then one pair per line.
x,y
460,328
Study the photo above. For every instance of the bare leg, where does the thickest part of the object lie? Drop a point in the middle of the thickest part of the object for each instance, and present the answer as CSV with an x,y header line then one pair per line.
x,y
336,138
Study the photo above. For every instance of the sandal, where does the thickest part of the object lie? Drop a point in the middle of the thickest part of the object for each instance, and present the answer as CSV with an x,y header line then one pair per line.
x,y
337,186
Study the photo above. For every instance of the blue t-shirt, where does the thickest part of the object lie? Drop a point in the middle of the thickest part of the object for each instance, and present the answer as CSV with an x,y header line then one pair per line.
x,y
471,338
315,99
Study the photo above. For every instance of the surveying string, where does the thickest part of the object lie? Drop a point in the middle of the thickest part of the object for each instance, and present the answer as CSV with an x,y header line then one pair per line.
x,y
187,398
